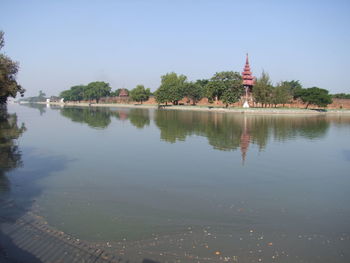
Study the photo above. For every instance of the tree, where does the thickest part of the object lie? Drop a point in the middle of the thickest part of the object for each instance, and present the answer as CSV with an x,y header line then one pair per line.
x,y
8,71
292,86
280,94
316,96
193,91
341,96
140,94
171,88
263,89
75,93
226,85
96,90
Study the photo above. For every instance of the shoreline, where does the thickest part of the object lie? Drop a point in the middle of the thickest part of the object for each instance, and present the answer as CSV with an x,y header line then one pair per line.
x,y
257,111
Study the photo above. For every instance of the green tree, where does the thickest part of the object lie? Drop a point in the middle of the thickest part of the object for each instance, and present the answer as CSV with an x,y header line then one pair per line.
x,y
8,71
96,90
293,87
193,91
140,94
225,82
315,96
66,95
341,96
280,94
171,88
263,89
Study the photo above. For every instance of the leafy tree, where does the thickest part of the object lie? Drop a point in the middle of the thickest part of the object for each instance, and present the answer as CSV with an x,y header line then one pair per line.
x,y
293,87
78,92
223,83
194,91
171,88
75,93
140,94
214,90
96,90
8,71
316,96
280,94
263,89
341,96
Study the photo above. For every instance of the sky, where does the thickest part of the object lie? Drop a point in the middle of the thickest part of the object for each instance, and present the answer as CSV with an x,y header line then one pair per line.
x,y
60,44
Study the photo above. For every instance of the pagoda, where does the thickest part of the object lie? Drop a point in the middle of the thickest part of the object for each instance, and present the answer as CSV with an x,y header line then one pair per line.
x,y
123,93
248,81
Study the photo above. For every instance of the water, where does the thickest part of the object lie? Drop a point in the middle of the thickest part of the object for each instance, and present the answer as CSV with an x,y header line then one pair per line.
x,y
188,186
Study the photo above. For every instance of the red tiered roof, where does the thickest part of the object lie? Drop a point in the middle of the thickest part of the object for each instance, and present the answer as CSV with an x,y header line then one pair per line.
x,y
248,79
123,93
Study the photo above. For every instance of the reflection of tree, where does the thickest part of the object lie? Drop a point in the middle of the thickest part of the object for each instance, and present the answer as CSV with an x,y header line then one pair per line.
x,y
94,117
231,131
40,107
101,117
139,118
10,155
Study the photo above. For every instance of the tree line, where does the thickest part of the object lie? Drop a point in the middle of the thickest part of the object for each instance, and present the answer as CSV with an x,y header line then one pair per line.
x,y
227,86
99,89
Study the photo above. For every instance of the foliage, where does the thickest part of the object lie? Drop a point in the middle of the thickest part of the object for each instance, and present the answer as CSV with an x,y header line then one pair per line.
x,y
8,71
193,91
171,89
223,83
262,91
341,96
96,90
140,94
40,98
293,87
280,94
93,91
315,96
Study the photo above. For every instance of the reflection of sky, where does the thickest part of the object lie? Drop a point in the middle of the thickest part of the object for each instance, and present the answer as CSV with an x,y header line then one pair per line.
x,y
346,154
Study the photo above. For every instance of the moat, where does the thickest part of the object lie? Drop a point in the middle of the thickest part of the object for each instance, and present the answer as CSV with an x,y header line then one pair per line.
x,y
187,186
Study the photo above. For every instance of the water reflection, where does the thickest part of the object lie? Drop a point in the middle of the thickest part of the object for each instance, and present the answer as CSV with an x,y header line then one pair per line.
x,y
101,117
93,117
41,107
232,131
226,132
10,155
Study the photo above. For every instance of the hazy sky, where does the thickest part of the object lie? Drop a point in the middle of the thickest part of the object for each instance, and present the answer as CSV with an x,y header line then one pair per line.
x,y
64,43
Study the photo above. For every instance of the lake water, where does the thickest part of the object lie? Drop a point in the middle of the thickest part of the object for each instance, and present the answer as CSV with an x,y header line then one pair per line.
x,y
188,186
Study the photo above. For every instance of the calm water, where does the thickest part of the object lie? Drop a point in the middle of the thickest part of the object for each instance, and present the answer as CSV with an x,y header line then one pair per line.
x,y
189,186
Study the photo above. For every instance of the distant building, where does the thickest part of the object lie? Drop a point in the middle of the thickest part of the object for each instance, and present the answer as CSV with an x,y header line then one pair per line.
x,y
123,93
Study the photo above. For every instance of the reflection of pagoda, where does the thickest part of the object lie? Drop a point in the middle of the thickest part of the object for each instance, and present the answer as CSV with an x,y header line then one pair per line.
x,y
248,81
123,115
245,140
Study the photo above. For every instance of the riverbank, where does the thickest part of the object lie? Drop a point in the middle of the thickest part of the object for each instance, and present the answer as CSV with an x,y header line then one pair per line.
x,y
207,108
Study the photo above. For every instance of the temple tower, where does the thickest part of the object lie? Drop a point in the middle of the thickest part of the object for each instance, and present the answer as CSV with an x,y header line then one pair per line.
x,y
248,81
